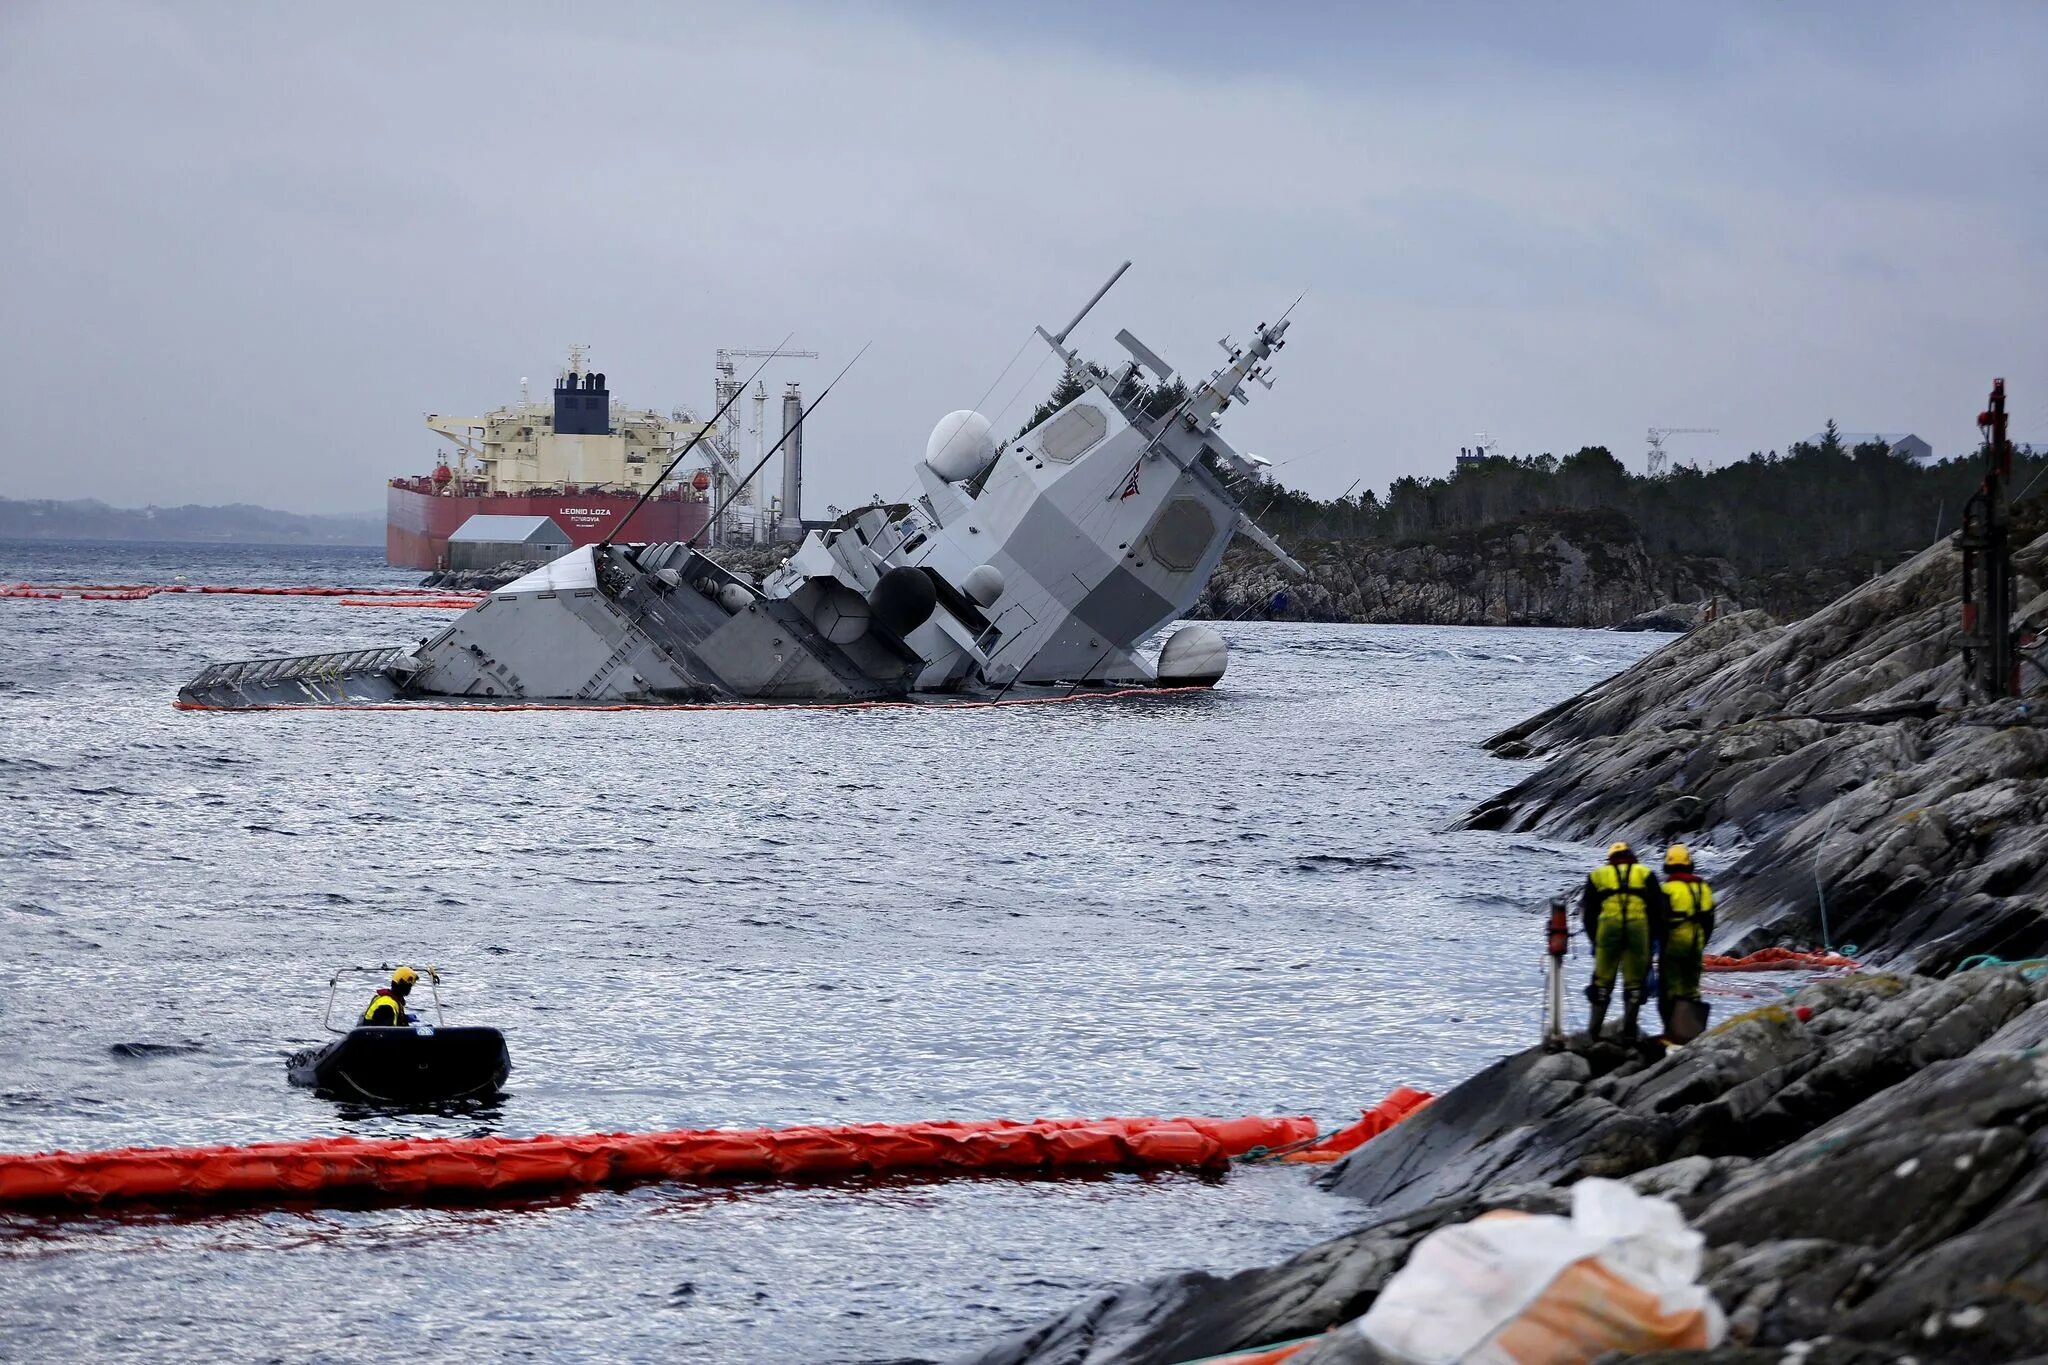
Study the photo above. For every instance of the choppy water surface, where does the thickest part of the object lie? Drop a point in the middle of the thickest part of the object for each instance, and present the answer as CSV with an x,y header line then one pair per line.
x,y
1238,902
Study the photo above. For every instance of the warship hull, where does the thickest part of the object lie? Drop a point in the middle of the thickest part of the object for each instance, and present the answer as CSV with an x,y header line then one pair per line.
x,y
1046,561
607,625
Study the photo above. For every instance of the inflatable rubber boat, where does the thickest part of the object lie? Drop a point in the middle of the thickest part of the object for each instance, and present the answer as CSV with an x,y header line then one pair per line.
x,y
411,1063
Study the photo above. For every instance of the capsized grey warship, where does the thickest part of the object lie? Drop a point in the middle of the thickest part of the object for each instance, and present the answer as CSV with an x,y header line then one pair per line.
x,y
1046,561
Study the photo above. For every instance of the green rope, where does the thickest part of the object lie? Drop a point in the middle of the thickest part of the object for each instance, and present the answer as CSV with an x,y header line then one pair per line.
x,y
1257,1155
2032,968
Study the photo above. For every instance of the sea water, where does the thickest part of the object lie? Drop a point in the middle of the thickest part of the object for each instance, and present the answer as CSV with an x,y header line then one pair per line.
x,y
1245,901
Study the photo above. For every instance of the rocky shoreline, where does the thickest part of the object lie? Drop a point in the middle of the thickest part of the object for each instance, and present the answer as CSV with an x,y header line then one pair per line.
x,y
1578,569
1868,1163
1867,1160
1863,800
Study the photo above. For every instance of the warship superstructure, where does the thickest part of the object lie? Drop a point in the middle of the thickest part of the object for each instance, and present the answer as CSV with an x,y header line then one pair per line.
x,y
1048,560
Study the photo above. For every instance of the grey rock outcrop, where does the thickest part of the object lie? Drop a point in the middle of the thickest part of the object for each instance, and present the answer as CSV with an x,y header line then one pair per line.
x,y
1673,618
481,580
1868,1162
1558,568
1874,806
1552,569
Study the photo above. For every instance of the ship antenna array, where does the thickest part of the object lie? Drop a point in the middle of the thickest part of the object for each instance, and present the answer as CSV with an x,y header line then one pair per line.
x,y
794,428
648,492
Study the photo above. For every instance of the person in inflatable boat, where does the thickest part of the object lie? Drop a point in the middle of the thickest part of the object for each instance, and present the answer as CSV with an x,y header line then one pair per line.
x,y
387,1006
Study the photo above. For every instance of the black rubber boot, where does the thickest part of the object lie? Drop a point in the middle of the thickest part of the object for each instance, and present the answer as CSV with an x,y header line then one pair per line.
x,y
1631,1005
1598,999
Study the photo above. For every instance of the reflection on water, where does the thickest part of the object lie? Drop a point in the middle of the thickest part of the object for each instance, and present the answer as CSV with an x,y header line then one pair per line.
x,y
1244,902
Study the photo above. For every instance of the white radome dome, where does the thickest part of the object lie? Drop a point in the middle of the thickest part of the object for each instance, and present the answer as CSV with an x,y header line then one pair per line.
x,y
983,585
960,445
1195,656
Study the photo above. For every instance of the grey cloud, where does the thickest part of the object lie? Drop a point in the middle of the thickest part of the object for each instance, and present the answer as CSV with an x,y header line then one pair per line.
x,y
251,246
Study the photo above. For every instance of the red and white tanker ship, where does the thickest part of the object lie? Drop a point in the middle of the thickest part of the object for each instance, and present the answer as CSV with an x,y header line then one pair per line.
x,y
578,460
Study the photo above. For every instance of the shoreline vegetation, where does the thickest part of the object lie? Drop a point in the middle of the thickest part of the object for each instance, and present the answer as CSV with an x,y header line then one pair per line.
x,y
1581,541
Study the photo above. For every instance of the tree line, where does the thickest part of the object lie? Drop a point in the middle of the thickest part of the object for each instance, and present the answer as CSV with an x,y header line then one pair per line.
x,y
1819,500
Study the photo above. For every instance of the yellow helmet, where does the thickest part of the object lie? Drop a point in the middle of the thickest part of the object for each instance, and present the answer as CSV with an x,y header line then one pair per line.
x,y
404,976
1620,849
1678,855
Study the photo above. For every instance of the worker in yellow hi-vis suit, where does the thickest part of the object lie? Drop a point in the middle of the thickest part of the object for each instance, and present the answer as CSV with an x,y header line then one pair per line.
x,y
1623,911
1689,908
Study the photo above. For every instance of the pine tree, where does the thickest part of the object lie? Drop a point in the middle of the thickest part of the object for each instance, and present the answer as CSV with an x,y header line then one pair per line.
x,y
1070,387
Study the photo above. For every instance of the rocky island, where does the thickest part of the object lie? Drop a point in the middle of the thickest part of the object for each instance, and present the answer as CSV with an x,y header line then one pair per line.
x,y
1868,1159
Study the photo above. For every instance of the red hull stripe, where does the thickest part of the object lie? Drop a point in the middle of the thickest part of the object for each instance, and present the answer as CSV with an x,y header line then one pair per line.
x,y
417,525
1121,694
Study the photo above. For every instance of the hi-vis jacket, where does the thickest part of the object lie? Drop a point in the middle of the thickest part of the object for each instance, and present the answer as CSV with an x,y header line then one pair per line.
x,y
1689,897
1628,888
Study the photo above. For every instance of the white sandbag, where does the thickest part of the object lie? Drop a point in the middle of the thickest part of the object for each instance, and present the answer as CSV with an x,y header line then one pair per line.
x,y
1622,1273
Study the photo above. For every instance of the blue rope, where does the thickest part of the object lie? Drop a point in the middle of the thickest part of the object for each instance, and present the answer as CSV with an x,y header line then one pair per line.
x,y
1819,891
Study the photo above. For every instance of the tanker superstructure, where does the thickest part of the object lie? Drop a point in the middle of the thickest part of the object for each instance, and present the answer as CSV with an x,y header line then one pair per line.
x,y
580,460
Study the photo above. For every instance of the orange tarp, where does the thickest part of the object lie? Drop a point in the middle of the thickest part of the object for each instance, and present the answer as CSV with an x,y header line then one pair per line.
x,y
1778,960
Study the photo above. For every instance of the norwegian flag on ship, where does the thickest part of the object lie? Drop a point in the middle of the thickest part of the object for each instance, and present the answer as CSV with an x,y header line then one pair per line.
x,y
1131,482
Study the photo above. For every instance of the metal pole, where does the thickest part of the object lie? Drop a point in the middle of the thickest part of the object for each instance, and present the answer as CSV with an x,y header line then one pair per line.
x,y
1060,337
799,426
1553,980
1998,552
731,398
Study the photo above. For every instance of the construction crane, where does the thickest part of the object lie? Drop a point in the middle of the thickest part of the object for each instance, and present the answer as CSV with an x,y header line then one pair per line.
x,y
1658,461
725,444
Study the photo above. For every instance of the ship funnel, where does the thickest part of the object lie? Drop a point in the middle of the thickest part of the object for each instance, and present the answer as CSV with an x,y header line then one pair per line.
x,y
583,406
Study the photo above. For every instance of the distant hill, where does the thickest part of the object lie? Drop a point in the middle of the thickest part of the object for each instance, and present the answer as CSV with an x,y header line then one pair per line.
x,y
237,523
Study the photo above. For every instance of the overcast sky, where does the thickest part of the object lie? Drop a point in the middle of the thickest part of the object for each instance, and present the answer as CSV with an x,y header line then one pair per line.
x,y
247,247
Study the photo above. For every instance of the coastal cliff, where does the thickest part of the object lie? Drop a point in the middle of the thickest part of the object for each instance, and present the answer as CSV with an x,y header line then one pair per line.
x,y
1864,801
